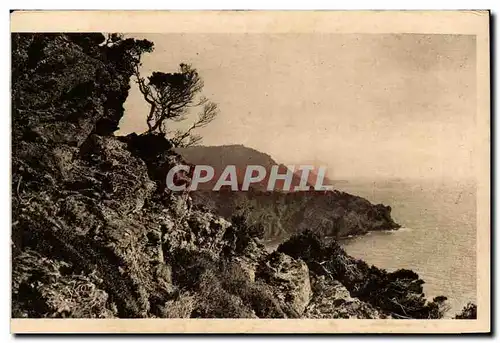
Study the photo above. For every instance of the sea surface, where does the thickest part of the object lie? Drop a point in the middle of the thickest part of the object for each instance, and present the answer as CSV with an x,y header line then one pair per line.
x,y
438,238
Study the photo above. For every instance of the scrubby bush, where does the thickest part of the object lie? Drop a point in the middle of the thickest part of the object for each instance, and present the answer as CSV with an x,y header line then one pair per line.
x,y
306,246
188,267
181,306
399,293
468,312
220,289
217,302
241,233
257,295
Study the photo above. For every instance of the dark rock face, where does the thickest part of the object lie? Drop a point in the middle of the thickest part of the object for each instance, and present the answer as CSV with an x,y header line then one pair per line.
x,y
329,214
332,213
95,235
79,197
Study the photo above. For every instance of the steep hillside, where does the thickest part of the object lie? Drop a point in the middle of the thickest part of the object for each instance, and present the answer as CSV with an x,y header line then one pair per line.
x,y
95,234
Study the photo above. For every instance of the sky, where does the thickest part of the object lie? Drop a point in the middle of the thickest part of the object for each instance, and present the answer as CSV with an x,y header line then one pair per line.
x,y
364,105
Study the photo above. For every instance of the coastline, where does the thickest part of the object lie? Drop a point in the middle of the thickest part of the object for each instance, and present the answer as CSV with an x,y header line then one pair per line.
x,y
96,234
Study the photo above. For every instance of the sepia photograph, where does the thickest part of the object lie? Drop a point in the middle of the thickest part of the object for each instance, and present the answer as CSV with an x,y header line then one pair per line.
x,y
304,166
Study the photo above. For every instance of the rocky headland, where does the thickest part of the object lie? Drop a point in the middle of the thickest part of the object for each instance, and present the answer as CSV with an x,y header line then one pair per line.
x,y
95,234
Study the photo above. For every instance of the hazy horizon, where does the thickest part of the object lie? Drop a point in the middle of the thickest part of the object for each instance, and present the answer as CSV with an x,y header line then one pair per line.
x,y
368,106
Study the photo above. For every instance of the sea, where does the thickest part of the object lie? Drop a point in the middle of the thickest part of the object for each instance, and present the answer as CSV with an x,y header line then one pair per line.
x,y
437,239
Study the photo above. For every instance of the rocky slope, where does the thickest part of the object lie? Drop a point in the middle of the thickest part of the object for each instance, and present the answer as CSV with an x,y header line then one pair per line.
x,y
96,235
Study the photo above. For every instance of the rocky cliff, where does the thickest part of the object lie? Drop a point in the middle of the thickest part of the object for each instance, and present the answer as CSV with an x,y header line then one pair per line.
x,y
329,214
96,235
283,214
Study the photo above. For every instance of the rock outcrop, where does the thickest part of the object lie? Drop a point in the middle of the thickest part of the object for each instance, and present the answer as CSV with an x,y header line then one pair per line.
x,y
330,214
332,300
398,294
289,281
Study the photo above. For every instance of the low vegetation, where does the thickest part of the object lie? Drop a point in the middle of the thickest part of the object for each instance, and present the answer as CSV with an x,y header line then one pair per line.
x,y
398,294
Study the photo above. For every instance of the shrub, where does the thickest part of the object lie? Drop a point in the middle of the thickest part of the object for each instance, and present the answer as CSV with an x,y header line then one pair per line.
x,y
211,289
256,295
216,302
468,312
180,307
399,293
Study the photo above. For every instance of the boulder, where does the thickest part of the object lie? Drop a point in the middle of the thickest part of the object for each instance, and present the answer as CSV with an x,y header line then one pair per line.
x,y
44,287
250,259
331,299
289,281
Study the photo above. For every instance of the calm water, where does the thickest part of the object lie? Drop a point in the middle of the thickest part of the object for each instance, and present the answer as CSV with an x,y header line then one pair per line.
x,y
438,238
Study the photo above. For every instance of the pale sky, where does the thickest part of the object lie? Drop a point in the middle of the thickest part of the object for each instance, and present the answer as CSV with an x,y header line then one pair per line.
x,y
366,105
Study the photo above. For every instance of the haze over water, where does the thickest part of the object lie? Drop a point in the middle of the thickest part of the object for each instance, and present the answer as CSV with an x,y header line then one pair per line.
x,y
438,238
